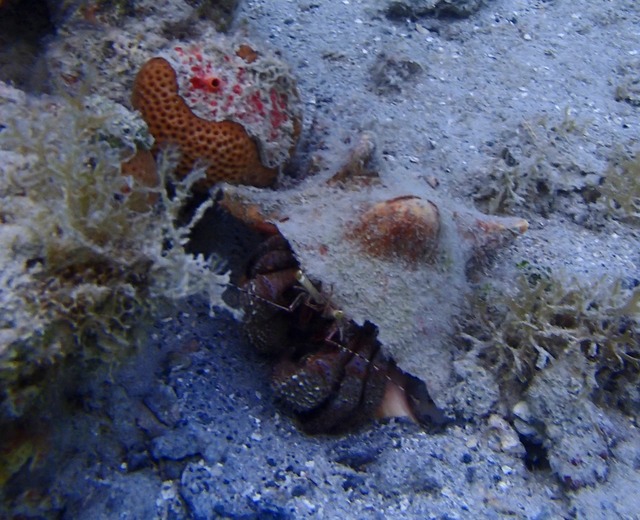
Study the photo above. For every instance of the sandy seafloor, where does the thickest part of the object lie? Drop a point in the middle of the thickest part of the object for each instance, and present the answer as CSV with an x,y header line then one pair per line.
x,y
188,429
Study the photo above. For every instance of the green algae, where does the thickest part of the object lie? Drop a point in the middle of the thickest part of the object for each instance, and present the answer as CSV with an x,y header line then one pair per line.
x,y
83,269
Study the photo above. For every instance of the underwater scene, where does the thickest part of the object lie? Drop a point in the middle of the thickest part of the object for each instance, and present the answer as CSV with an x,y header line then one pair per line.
x,y
285,259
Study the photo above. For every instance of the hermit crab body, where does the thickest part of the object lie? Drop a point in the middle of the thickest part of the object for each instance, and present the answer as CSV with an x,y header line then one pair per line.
x,y
328,371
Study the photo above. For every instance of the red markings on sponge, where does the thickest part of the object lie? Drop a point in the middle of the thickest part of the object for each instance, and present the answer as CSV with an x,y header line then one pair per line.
x,y
207,84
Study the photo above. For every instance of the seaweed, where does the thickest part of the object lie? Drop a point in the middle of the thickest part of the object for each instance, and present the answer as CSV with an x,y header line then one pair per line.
x,y
542,166
547,316
621,189
84,264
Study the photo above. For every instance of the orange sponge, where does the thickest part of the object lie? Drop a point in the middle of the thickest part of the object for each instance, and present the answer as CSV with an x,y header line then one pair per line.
x,y
230,153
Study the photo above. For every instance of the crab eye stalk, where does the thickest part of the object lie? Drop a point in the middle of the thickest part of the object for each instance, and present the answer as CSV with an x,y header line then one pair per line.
x,y
337,315
308,286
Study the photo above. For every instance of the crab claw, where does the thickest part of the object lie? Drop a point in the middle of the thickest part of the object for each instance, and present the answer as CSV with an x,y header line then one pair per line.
x,y
307,384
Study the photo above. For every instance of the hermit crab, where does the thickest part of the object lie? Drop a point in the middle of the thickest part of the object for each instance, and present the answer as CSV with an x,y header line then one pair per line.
x,y
329,372
355,287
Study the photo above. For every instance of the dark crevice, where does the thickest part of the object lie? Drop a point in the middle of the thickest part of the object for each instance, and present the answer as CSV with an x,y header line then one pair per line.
x,y
536,457
24,28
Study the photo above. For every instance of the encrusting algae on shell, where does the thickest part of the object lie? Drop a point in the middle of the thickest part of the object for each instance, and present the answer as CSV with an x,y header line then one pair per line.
x,y
392,254
405,227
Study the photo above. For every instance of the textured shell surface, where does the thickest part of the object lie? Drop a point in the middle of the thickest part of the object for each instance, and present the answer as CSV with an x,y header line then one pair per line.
x,y
411,302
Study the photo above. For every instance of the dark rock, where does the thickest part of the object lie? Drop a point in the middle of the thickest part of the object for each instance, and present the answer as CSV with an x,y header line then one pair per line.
x,y
356,456
298,490
412,9
176,444
390,75
352,482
